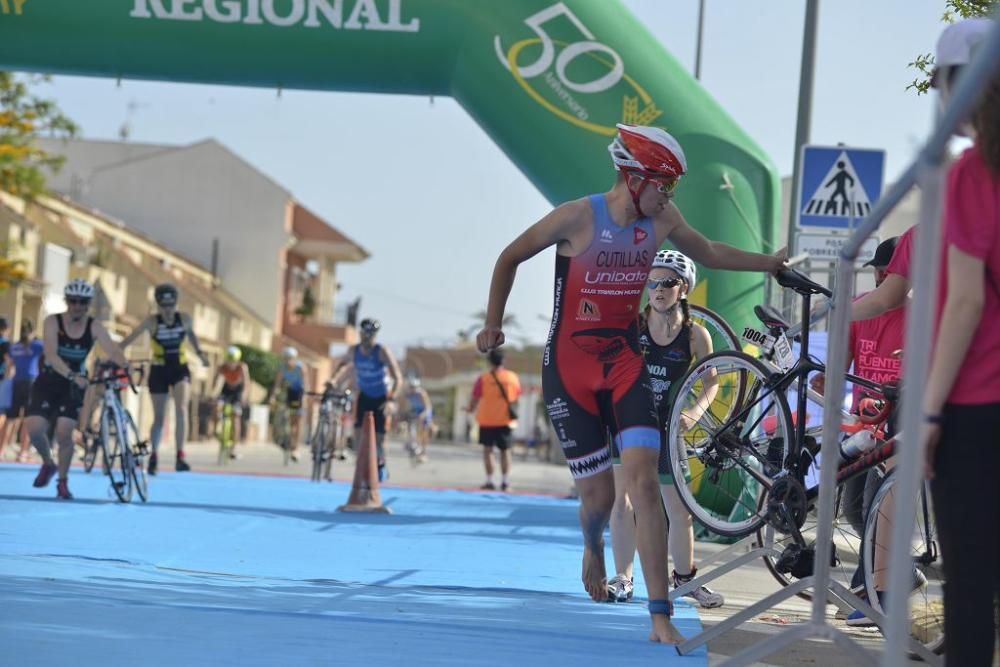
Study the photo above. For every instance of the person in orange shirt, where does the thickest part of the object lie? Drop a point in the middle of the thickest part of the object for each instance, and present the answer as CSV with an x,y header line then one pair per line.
x,y
493,395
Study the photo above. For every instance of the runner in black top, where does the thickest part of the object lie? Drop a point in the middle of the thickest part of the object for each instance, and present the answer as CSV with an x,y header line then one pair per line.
x,y
168,374
670,341
58,392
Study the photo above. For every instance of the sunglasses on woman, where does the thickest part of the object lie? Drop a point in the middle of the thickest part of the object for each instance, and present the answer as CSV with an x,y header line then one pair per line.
x,y
666,283
77,302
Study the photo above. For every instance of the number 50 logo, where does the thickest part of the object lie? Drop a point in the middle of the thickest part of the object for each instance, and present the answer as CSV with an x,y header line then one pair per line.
x,y
571,51
562,54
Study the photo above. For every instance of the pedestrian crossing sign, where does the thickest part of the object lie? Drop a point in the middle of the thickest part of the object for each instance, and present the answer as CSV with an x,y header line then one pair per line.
x,y
839,185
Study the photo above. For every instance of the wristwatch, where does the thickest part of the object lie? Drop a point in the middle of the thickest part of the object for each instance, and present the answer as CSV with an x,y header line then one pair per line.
x,y
72,376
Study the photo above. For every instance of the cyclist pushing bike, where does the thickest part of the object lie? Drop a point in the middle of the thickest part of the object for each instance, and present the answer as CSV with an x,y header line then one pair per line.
x,y
235,377
57,394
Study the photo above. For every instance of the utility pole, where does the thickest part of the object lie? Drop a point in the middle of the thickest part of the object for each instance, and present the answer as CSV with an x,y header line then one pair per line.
x,y
701,34
804,122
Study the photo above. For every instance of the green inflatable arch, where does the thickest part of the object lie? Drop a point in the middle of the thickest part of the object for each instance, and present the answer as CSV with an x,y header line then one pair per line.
x,y
547,80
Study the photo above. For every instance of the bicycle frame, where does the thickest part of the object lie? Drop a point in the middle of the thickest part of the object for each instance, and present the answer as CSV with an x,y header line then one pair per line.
x,y
781,382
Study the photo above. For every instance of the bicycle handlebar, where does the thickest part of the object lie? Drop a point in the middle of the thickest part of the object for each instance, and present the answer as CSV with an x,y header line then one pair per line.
x,y
108,372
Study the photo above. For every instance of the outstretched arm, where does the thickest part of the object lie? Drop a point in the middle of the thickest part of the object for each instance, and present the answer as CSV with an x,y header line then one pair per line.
x,y
718,255
343,367
397,378
195,343
890,294
138,331
110,347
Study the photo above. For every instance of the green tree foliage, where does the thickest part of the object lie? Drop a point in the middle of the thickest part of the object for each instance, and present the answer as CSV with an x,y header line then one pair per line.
x,y
308,306
263,365
23,118
954,10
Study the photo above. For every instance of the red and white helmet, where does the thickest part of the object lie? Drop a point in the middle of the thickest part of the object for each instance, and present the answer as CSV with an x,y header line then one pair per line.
x,y
647,149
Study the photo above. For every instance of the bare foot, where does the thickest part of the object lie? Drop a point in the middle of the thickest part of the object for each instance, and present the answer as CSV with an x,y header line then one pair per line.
x,y
595,577
664,631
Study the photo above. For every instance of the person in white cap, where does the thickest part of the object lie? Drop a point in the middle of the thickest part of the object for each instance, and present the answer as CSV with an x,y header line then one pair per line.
x,y
593,376
962,395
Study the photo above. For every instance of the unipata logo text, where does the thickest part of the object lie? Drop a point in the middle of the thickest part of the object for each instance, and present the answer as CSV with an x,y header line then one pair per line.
x,y
363,14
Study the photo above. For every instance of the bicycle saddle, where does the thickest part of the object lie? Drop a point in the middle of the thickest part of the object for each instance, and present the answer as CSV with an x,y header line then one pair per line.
x,y
800,283
770,317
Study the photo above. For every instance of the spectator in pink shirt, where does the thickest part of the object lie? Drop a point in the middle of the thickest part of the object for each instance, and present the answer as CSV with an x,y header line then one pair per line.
x,y
962,396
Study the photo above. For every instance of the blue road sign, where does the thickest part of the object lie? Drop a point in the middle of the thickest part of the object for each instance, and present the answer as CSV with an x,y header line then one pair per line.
x,y
839,185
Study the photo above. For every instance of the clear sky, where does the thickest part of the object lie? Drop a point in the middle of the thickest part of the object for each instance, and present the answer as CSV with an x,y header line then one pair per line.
x,y
453,200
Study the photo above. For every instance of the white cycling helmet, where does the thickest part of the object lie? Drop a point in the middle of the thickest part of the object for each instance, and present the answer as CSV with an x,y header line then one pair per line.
x,y
290,352
79,289
679,262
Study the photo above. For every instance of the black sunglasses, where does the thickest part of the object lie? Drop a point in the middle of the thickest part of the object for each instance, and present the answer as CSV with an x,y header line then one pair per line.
x,y
77,302
666,283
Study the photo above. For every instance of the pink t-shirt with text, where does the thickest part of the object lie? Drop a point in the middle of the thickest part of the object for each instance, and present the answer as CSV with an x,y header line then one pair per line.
x,y
872,343
971,225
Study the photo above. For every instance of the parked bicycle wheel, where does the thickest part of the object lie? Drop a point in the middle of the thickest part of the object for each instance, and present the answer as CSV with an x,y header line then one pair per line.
x,y
117,457
319,446
927,601
723,336
729,433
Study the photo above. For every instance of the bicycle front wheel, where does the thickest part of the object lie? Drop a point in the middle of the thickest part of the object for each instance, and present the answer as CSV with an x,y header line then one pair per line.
x,y
319,448
89,452
225,434
331,445
723,336
927,599
729,434
117,458
139,453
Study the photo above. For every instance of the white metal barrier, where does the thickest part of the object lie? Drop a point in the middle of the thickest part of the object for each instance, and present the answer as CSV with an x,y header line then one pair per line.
x,y
927,171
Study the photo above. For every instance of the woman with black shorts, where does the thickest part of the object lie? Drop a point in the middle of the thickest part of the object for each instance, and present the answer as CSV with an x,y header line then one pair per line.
x,y
168,373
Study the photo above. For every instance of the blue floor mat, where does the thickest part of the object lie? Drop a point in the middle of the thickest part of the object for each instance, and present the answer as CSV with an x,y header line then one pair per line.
x,y
233,570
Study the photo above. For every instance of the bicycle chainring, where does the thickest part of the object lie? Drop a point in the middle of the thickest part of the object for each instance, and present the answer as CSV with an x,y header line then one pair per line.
x,y
787,505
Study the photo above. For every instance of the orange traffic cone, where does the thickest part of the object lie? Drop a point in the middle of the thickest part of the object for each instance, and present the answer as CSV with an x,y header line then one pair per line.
x,y
364,491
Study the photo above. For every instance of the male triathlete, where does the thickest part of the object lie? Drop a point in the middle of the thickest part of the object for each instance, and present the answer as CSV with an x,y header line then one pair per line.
x,y
593,376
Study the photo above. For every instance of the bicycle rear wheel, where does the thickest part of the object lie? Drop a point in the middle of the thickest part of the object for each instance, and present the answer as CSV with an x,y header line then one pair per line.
x,y
117,458
927,600
729,435
847,541
320,440
723,336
